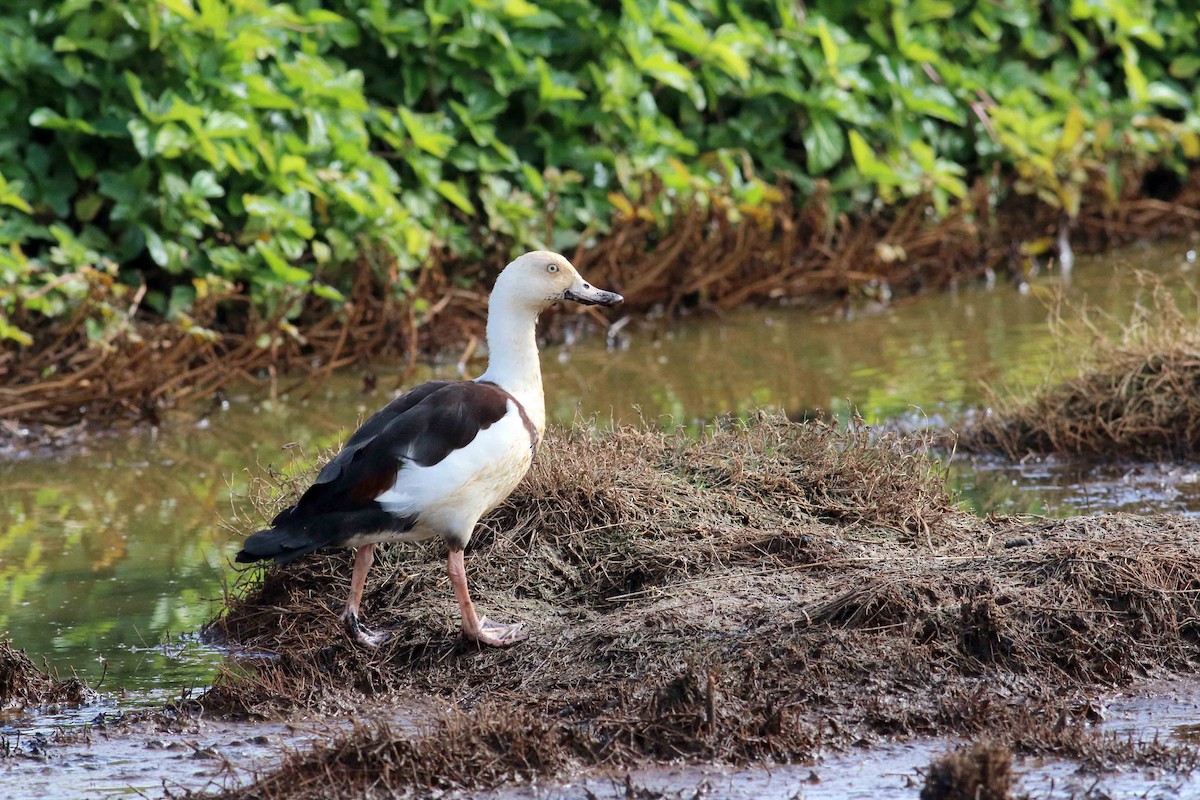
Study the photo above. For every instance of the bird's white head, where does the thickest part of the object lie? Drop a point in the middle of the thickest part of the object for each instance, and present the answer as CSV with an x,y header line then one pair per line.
x,y
541,278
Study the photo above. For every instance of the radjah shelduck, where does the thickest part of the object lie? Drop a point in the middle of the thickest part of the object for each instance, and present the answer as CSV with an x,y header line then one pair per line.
x,y
439,457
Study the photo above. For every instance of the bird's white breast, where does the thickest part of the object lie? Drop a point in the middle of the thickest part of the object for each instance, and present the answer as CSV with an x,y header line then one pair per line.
x,y
451,495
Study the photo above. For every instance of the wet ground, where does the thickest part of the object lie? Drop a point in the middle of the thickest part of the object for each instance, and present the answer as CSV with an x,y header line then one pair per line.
x,y
88,753
112,557
1056,486
96,759
1164,709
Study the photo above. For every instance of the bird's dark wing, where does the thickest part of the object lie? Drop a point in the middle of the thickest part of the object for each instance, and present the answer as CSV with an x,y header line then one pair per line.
x,y
422,428
380,419
364,435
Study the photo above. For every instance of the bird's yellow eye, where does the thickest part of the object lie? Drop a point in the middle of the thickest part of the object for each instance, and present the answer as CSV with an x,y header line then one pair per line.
x,y
552,268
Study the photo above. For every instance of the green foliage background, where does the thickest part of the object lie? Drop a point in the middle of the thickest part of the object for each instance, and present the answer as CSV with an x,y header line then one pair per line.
x,y
186,144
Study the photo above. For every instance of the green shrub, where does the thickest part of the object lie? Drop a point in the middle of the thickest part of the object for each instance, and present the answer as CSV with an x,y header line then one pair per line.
x,y
272,144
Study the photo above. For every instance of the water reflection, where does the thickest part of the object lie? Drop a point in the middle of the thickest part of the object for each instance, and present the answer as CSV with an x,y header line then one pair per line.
x,y
929,354
118,548
1061,487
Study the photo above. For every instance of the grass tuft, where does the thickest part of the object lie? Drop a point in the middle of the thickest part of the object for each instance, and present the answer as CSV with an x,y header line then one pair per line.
x,y
763,592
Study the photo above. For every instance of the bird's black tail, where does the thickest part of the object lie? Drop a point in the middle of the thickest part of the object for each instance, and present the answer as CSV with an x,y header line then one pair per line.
x,y
292,537
281,544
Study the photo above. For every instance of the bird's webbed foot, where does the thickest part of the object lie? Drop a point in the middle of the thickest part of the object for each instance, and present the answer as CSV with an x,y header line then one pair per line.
x,y
496,634
361,633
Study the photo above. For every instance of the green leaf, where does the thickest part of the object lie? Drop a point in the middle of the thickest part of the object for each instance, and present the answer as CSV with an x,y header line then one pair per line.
x,y
1134,77
319,16
923,154
181,7
1072,129
52,120
155,246
139,132
204,184
534,178
86,207
824,143
328,292
1165,94
519,8
665,69
171,140
455,195
828,46
280,267
134,83
1185,66
864,158
421,128
934,101
10,195
224,124
553,86
730,60
13,333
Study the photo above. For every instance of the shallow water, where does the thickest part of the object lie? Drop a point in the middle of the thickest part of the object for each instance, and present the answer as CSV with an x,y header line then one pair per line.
x,y
112,557
141,758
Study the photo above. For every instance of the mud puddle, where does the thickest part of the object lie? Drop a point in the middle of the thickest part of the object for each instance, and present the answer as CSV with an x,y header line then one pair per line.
x,y
104,749
1167,710
91,761
886,771
1063,487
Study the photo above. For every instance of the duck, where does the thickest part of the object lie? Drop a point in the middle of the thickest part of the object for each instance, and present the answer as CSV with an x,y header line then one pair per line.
x,y
435,460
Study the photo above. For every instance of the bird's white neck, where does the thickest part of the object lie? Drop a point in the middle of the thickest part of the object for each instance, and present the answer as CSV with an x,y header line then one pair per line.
x,y
513,362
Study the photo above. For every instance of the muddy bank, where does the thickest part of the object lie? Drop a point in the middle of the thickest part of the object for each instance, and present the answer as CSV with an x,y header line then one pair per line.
x,y
23,685
759,594
1135,395
143,366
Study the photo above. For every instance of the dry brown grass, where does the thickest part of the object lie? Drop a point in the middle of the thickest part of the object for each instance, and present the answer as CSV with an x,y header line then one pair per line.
x,y
144,366
1136,393
982,771
375,761
810,253
762,592
24,685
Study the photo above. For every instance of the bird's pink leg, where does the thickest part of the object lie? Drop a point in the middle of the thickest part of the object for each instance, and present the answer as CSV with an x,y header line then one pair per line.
x,y
477,629
364,557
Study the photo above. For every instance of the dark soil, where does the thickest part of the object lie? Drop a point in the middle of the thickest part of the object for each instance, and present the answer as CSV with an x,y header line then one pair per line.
x,y
1137,394
761,593
23,685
